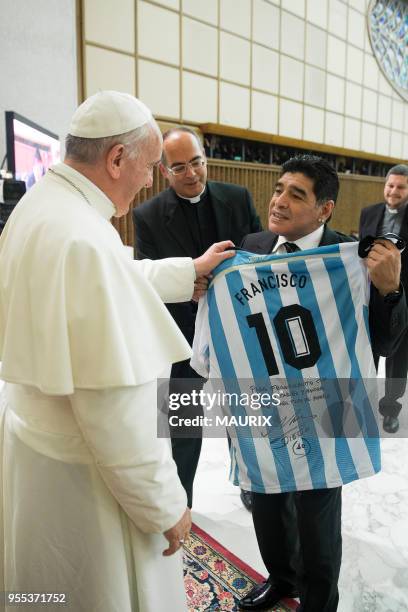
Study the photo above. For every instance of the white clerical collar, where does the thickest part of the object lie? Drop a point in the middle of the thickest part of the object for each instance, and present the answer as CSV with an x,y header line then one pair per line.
x,y
90,193
310,241
194,200
395,211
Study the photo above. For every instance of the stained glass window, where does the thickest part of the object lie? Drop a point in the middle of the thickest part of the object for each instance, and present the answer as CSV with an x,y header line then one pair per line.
x,y
388,26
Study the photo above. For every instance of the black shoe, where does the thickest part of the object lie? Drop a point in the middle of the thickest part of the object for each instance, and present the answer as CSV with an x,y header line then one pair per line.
x,y
246,498
391,424
263,596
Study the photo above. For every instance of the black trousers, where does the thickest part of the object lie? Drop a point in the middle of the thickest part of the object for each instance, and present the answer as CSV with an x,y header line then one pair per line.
x,y
186,442
186,453
299,537
396,369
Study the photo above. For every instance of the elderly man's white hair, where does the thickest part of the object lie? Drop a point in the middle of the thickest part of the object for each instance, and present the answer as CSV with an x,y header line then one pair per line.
x,y
106,119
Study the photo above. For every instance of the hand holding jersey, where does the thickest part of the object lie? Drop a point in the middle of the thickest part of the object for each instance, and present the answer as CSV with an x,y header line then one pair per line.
x,y
212,257
384,266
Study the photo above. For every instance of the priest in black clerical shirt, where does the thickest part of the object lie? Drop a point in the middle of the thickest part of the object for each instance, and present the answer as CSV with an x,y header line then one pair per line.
x,y
391,216
183,221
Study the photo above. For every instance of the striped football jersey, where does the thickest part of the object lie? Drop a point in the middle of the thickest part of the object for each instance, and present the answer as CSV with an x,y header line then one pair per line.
x,y
296,327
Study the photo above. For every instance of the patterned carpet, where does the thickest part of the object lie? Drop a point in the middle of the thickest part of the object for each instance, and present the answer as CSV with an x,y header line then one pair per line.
x,y
215,579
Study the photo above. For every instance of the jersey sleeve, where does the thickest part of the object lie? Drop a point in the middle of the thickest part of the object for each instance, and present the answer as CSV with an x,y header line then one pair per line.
x,y
200,361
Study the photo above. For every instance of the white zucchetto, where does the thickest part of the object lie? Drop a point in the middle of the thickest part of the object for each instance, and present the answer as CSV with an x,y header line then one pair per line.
x,y
108,113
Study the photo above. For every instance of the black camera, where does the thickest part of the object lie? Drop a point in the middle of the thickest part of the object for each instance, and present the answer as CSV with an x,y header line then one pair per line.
x,y
11,191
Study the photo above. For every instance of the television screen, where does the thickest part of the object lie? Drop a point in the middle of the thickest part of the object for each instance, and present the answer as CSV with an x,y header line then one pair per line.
x,y
31,149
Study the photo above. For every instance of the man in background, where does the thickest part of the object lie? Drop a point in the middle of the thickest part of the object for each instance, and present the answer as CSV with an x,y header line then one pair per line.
x,y
391,216
182,221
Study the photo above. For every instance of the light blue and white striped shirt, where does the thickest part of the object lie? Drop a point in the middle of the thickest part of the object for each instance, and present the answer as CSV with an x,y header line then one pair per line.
x,y
296,322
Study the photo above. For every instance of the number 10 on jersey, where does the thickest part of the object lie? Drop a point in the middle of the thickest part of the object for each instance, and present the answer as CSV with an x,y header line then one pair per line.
x,y
297,336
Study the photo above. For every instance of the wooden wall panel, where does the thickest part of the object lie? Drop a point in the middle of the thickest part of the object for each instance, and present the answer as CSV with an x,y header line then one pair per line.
x,y
259,179
356,191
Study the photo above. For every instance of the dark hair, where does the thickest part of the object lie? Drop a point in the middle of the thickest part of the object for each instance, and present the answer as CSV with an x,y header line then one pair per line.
x,y
324,177
399,169
175,130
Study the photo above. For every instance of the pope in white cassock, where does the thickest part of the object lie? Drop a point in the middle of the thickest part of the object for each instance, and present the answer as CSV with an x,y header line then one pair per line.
x,y
88,488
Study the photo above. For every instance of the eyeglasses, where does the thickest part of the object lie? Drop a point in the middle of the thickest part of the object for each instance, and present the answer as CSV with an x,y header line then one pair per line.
x,y
180,169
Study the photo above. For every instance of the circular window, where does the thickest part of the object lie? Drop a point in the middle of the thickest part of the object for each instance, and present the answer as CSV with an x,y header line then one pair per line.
x,y
388,27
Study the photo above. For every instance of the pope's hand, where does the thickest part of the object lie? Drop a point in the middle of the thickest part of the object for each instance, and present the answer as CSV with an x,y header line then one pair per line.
x,y
178,534
212,257
384,266
200,287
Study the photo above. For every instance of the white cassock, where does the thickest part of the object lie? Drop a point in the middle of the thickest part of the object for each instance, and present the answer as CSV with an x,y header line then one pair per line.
x,y
87,486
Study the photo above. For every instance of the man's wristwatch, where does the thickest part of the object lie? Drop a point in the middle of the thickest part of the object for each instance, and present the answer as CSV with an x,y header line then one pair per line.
x,y
393,296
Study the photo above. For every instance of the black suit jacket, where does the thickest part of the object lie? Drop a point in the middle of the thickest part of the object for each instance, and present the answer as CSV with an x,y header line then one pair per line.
x,y
161,231
370,225
263,242
387,321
